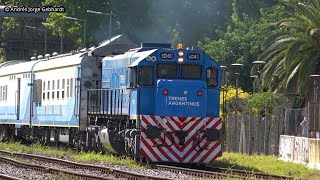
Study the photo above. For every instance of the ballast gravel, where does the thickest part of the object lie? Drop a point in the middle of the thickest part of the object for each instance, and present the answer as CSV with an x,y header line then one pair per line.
x,y
31,174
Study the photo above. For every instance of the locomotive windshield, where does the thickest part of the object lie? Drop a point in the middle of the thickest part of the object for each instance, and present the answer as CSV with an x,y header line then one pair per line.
x,y
188,71
191,71
172,71
167,70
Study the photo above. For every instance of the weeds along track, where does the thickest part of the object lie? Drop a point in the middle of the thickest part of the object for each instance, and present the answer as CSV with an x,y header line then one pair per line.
x,y
222,173
68,168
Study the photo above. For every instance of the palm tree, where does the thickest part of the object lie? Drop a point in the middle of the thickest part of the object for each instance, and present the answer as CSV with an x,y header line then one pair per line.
x,y
293,54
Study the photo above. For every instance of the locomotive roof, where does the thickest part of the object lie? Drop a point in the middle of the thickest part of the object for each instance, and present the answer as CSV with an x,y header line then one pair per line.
x,y
134,55
53,62
142,56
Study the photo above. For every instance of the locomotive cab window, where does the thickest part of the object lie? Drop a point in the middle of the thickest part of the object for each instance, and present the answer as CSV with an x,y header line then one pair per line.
x,y
212,77
167,70
146,76
191,71
133,77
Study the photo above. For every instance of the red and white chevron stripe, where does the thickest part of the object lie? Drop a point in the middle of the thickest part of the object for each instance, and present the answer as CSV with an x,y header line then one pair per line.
x,y
166,148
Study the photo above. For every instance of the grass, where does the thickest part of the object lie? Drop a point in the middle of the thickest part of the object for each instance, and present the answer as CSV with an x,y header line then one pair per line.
x,y
266,164
257,163
109,158
35,149
61,153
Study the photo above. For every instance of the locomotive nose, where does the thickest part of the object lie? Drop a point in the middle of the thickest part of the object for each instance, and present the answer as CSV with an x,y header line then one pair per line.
x,y
181,98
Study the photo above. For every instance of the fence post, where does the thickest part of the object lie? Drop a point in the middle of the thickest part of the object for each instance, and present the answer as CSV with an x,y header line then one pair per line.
x,y
267,132
309,128
235,127
286,123
258,134
243,141
277,126
250,132
229,129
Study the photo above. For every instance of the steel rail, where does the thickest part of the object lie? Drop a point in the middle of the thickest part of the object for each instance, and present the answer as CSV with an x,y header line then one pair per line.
x,y
117,173
258,175
46,169
211,172
195,172
3,176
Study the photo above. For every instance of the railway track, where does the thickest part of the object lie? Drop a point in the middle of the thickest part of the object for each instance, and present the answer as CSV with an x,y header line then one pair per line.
x,y
221,173
111,172
209,172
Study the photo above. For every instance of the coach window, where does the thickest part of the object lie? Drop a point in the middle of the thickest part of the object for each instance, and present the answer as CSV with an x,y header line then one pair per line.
x,y
68,87
166,70
63,86
48,93
212,77
6,92
133,76
53,89
58,88
146,76
3,92
44,91
71,87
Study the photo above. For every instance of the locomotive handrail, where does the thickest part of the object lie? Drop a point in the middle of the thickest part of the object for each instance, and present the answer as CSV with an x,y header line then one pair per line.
x,y
101,89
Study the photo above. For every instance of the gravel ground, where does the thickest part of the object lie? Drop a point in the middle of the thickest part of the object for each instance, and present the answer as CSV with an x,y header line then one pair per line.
x,y
14,171
23,173
149,172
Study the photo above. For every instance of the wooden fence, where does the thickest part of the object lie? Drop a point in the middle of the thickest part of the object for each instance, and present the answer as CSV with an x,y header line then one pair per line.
x,y
259,133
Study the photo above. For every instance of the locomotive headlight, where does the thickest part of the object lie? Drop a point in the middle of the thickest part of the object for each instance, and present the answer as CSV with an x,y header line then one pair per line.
x,y
180,53
180,59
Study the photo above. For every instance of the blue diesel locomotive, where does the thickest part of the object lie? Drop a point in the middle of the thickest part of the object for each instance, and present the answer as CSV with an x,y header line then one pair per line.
x,y
159,104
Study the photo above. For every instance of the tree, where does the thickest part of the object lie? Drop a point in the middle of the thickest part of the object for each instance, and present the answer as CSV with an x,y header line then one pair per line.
x,y
293,53
242,42
252,7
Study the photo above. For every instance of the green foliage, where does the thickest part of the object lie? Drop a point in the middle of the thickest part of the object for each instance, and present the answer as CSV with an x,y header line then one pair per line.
x,y
78,9
34,148
251,8
266,164
109,158
60,153
242,42
293,53
263,101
